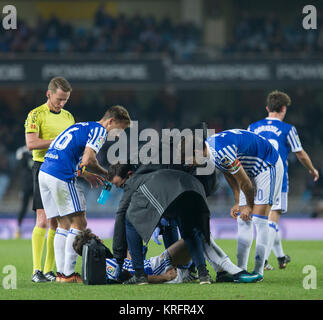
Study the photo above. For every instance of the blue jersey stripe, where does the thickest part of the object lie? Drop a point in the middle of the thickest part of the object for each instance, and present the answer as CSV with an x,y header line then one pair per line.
x,y
77,200
72,196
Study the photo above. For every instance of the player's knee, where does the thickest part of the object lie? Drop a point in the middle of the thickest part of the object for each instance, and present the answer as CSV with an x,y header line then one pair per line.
x,y
64,223
41,220
79,222
52,223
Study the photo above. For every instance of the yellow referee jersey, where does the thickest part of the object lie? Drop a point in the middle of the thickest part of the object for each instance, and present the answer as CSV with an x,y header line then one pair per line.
x,y
48,125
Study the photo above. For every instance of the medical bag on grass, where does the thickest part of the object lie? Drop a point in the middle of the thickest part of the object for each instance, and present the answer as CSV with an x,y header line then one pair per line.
x,y
93,263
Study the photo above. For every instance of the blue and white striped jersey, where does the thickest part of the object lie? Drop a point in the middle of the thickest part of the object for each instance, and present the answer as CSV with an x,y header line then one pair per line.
x,y
66,151
282,136
230,149
152,266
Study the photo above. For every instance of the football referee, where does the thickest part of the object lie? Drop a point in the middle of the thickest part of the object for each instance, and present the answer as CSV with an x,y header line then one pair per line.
x,y
42,125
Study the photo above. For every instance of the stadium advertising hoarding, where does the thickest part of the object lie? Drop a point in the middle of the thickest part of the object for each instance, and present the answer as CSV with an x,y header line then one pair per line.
x,y
240,72
159,72
80,71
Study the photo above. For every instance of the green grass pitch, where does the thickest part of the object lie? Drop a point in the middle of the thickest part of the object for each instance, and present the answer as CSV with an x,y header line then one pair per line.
x,y
278,284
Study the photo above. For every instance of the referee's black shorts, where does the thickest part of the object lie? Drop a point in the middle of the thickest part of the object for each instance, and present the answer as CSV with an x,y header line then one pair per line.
x,y
37,202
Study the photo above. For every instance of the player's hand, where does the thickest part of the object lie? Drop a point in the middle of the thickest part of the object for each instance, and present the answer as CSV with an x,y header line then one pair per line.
x,y
155,235
170,274
315,174
93,179
234,211
245,213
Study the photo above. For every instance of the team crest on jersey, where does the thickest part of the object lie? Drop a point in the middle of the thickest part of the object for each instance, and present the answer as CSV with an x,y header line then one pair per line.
x,y
100,142
110,270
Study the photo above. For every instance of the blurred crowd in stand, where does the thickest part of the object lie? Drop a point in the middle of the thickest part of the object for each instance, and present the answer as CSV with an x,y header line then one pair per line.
x,y
267,34
135,35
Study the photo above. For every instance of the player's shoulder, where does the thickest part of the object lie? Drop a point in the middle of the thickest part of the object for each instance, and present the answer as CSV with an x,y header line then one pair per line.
x,y
283,126
95,124
67,113
39,110
89,125
287,125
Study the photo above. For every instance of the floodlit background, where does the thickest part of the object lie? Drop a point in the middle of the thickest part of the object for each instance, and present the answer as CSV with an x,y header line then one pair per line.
x,y
171,63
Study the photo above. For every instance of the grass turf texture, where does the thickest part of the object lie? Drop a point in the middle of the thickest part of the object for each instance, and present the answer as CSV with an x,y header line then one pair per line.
x,y
278,284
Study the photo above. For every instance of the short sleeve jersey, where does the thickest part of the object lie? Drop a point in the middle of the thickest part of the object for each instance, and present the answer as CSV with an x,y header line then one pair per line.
x,y
282,136
232,148
48,125
112,268
66,151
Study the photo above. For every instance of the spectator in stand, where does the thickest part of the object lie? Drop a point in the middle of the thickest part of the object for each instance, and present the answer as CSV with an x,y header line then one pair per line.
x,y
123,34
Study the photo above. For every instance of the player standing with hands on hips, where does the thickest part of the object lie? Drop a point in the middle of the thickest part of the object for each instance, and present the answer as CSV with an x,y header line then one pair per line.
x,y
284,138
71,155
42,125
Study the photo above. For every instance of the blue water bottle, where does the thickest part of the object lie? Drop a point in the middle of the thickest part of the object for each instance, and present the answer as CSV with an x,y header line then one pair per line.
x,y
105,193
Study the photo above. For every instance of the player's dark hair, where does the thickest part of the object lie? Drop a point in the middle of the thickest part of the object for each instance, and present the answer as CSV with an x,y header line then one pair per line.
x,y
194,141
119,113
59,83
120,170
81,239
276,100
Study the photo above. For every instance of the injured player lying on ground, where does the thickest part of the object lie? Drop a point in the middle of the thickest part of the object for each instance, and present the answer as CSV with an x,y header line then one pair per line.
x,y
163,268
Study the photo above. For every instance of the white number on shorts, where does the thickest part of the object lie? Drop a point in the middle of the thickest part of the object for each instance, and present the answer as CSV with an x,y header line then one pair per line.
x,y
260,194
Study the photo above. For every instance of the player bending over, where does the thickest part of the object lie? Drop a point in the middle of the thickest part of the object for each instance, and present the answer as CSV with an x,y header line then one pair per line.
x,y
254,171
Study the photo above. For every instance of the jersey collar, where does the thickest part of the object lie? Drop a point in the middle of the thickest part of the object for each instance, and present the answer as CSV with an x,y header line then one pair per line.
x,y
272,118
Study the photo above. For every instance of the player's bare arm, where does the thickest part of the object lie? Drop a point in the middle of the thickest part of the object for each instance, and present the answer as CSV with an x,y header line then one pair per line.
x,y
34,142
246,186
236,193
305,160
90,161
167,276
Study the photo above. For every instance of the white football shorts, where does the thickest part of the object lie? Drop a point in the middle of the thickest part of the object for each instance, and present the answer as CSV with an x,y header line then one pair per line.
x,y
60,198
283,206
267,186
159,264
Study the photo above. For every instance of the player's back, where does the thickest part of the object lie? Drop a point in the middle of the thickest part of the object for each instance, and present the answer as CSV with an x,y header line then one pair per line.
x,y
254,152
283,136
66,151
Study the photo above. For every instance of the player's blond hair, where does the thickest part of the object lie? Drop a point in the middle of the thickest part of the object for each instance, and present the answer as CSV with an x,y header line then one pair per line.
x,y
59,83
276,100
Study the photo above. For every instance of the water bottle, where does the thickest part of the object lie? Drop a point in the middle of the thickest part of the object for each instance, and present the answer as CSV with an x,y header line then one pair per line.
x,y
105,193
